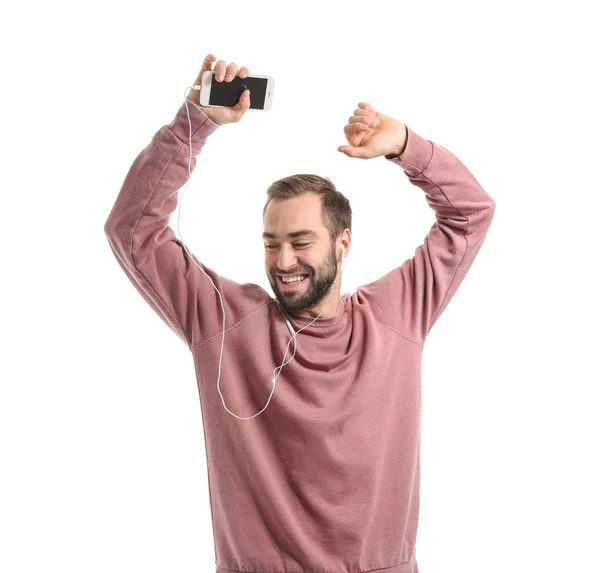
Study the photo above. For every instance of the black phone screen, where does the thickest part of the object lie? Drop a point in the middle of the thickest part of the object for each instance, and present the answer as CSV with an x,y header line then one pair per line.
x,y
228,93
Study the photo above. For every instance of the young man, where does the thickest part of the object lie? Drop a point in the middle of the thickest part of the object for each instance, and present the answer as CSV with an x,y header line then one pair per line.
x,y
327,477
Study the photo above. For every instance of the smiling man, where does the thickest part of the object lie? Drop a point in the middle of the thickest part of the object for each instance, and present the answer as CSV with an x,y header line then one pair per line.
x,y
302,264
326,477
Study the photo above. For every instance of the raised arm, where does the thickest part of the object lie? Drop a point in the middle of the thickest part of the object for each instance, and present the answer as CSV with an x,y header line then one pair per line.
x,y
412,296
138,228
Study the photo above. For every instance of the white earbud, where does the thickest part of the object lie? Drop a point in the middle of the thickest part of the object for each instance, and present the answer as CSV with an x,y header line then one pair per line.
x,y
343,253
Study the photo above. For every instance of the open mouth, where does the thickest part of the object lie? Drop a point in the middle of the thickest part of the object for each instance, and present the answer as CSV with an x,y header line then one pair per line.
x,y
293,283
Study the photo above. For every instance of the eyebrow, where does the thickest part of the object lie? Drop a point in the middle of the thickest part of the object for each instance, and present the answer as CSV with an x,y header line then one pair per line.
x,y
301,233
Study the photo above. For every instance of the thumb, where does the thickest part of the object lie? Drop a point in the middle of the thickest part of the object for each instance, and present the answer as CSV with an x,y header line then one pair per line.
x,y
354,151
244,101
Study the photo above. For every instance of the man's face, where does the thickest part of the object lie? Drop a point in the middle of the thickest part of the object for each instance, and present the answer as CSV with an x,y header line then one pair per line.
x,y
308,254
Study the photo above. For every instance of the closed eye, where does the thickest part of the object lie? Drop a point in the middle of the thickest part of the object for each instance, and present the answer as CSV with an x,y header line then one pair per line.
x,y
296,245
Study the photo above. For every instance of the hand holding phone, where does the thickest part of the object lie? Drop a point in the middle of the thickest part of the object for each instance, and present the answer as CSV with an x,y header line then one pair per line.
x,y
219,91
227,74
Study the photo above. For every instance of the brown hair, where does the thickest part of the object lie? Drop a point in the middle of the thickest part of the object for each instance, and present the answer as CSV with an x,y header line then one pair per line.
x,y
336,213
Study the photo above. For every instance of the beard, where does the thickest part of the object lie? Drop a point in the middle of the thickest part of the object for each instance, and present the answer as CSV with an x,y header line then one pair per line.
x,y
307,296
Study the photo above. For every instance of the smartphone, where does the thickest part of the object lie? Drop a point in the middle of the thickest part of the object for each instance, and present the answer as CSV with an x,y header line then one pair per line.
x,y
227,94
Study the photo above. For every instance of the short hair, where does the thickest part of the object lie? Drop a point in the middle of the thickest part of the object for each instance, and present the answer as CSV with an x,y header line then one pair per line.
x,y
336,212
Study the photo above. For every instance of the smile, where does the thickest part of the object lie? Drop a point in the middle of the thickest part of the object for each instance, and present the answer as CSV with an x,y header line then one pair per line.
x,y
292,282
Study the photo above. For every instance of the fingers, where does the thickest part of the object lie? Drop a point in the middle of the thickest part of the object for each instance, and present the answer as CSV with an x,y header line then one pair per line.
x,y
208,61
206,66
364,114
354,128
226,73
367,106
232,70
363,118
223,72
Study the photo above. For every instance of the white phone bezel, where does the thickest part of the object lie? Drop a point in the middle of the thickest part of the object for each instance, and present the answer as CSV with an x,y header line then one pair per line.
x,y
207,82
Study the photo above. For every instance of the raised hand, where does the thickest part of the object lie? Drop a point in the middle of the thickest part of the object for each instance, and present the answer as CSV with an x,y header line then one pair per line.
x,y
371,134
224,72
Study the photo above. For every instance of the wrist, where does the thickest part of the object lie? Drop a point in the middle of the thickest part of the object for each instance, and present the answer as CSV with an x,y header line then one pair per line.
x,y
398,148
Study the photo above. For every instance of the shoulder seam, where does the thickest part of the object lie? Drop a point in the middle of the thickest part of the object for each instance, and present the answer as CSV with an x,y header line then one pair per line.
x,y
398,333
231,327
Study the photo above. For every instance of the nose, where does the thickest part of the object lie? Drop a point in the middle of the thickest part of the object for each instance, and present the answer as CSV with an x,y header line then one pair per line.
x,y
286,259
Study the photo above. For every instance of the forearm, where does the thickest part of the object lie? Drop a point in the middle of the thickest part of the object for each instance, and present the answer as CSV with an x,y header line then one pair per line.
x,y
463,208
148,194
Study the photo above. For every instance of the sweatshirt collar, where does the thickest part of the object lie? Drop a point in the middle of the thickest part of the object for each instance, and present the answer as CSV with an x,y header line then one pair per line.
x,y
299,321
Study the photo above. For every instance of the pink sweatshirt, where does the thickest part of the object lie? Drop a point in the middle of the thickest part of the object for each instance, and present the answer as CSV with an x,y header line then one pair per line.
x,y
327,478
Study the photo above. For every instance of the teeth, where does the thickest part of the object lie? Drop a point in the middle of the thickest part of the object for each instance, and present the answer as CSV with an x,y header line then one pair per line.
x,y
293,279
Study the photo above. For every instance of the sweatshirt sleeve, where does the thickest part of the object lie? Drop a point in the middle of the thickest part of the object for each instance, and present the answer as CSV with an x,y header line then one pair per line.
x,y
412,297
147,249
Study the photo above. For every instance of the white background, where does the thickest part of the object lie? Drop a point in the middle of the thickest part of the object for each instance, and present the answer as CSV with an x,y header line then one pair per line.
x,y
103,465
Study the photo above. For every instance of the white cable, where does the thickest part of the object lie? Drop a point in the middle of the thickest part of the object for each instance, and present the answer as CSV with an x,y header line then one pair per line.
x,y
213,284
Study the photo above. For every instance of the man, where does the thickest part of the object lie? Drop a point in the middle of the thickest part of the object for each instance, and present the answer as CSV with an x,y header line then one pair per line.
x,y
327,478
